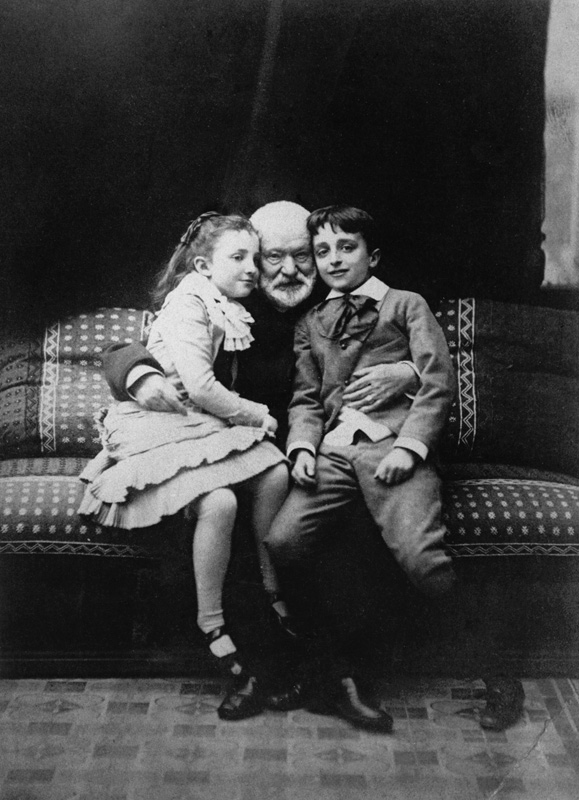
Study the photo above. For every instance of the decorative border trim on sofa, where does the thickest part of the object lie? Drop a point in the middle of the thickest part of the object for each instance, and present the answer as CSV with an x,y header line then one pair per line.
x,y
466,373
513,549
457,317
74,549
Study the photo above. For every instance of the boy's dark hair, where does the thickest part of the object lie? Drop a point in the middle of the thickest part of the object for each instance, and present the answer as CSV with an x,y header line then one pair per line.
x,y
349,219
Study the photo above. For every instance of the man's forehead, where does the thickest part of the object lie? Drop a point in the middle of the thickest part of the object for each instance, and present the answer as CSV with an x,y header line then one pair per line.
x,y
285,239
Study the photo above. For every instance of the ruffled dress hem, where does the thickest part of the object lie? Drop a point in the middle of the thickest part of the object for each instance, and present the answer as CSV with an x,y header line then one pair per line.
x,y
145,507
113,484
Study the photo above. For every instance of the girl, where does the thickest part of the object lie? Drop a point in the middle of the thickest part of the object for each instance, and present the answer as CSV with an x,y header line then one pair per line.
x,y
155,463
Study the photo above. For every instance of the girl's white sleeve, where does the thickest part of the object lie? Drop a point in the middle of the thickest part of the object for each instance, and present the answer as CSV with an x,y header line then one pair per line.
x,y
186,331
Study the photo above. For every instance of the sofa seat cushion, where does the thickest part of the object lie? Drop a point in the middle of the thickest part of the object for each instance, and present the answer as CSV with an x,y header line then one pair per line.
x,y
499,510
39,498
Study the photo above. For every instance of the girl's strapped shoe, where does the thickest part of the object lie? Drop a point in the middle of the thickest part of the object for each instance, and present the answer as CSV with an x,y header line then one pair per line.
x,y
224,652
244,698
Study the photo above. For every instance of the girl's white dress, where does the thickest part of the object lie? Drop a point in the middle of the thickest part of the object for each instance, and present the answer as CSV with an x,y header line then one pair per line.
x,y
155,463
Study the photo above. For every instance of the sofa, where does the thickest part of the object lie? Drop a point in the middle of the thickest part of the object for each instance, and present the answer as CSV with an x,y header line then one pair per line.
x,y
509,458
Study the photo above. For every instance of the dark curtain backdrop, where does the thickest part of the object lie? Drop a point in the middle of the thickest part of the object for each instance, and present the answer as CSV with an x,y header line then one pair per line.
x,y
121,119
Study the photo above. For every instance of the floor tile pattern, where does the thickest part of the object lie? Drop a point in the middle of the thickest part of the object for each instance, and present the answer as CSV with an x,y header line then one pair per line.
x,y
162,740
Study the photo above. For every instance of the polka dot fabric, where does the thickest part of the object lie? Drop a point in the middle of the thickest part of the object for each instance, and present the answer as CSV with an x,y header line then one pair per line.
x,y
496,501
496,516
38,514
51,388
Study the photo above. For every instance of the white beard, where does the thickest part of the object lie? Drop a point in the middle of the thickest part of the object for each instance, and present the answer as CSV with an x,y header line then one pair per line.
x,y
286,296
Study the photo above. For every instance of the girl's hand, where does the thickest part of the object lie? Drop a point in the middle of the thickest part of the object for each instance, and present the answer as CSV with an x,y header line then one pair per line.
x,y
397,466
270,425
304,470
156,393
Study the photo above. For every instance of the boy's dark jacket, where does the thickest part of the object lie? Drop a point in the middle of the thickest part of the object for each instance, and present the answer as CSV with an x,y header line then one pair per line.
x,y
401,328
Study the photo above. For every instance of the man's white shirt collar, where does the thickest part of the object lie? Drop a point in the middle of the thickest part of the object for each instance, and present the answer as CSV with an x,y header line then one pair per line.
x,y
373,287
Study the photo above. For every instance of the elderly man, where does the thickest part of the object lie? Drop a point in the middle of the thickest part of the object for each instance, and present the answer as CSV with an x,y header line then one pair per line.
x,y
287,289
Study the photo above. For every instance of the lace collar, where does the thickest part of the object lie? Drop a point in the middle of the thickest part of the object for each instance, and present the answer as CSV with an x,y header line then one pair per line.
x,y
231,316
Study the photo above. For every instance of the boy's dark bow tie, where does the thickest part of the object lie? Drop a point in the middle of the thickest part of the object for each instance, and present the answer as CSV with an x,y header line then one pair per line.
x,y
346,308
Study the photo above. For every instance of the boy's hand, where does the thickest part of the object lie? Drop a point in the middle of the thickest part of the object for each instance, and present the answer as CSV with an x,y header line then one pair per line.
x,y
304,470
397,466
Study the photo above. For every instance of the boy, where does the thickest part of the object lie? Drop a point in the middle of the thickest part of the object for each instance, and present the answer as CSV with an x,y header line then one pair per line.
x,y
340,452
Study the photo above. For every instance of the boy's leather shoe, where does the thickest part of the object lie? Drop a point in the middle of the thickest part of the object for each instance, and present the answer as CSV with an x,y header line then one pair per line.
x,y
504,706
343,699
289,699
242,701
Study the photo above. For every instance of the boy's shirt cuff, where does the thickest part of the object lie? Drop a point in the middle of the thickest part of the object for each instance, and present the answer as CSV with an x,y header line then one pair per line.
x,y
405,442
415,445
301,446
136,373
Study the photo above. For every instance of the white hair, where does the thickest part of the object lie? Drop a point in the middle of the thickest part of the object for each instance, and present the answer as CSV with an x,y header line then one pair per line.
x,y
281,214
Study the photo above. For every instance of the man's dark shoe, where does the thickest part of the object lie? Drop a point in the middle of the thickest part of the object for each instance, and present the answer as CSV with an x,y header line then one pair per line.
x,y
504,706
288,625
343,699
243,700
289,699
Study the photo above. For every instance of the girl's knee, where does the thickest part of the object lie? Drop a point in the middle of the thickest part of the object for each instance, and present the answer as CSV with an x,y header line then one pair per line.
x,y
219,502
280,472
270,488
276,478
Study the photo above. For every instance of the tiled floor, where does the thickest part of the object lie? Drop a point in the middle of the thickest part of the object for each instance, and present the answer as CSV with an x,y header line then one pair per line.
x,y
162,740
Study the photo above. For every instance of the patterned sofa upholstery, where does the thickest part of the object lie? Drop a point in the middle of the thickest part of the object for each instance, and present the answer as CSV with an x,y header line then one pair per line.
x,y
511,465
510,452
51,387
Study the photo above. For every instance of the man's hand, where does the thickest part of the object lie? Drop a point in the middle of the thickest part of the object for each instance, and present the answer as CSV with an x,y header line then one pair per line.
x,y
304,471
397,466
156,393
374,388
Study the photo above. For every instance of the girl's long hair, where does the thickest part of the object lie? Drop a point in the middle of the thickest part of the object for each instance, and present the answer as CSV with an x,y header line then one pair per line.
x,y
199,239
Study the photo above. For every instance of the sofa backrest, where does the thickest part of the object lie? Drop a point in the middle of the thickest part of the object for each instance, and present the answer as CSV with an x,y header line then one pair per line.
x,y
518,384
517,368
52,386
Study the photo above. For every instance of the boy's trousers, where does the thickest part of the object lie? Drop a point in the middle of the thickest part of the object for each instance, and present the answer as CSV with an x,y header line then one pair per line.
x,y
407,514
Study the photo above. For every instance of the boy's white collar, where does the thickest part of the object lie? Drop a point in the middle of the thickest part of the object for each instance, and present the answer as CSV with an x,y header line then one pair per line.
x,y
373,287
